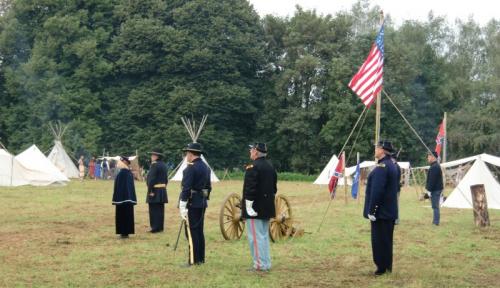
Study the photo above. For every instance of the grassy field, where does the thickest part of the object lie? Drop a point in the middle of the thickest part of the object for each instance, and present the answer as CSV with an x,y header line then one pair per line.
x,y
64,237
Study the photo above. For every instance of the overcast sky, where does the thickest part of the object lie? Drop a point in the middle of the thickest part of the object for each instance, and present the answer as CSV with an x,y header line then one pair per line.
x,y
481,10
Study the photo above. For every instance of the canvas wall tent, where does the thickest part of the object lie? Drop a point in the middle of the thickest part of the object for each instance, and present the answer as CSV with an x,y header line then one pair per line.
x,y
58,155
194,133
479,173
39,171
12,173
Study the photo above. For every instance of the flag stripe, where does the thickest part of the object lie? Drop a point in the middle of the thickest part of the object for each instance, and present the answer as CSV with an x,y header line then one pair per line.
x,y
367,82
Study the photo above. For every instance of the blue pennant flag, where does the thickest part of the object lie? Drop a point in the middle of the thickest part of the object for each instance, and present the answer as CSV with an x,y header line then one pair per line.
x,y
355,182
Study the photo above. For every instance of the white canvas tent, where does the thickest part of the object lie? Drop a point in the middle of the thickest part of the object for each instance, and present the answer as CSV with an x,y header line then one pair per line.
x,y
12,173
194,133
39,171
61,160
327,172
478,174
58,155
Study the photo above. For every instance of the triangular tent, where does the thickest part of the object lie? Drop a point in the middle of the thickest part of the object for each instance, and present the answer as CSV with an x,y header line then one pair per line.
x,y
477,174
326,174
58,155
12,173
39,170
194,133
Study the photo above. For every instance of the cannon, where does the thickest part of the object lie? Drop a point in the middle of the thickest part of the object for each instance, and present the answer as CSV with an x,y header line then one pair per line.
x,y
232,225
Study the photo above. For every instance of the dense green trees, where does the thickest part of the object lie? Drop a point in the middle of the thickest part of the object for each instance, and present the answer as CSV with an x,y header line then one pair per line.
x,y
122,73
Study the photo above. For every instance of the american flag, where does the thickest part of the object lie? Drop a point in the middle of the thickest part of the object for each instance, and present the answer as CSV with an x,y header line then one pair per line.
x,y
367,82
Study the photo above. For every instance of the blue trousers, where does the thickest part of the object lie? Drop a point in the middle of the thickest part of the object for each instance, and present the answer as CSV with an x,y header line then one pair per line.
x,y
435,198
258,239
382,241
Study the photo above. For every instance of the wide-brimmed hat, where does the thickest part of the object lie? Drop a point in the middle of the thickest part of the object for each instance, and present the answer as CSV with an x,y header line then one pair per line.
x,y
261,147
125,159
156,152
386,145
194,147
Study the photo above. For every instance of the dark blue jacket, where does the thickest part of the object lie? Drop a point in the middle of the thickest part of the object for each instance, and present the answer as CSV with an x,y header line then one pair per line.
x,y
260,186
381,197
196,180
124,190
157,176
434,178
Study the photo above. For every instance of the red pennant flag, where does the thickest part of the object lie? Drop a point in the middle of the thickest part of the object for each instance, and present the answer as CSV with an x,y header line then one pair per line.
x,y
332,185
440,139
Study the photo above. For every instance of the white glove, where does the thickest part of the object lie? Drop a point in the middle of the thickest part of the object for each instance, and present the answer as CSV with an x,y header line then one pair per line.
x,y
183,210
372,217
428,193
249,207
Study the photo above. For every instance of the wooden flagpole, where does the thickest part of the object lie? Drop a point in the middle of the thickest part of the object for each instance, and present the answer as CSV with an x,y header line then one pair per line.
x,y
345,178
445,140
379,99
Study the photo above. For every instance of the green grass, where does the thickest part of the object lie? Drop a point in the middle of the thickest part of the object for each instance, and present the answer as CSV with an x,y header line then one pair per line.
x,y
64,237
282,176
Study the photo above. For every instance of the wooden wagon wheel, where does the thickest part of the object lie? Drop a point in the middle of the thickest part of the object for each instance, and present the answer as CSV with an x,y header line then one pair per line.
x,y
281,226
230,221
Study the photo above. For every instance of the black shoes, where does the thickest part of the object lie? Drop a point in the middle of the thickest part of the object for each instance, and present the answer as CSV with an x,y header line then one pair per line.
x,y
155,231
123,236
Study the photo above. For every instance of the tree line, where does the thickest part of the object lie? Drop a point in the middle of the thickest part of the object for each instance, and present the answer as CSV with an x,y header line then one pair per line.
x,y
121,74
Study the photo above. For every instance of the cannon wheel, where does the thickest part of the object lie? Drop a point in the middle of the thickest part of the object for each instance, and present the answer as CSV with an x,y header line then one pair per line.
x,y
281,226
230,222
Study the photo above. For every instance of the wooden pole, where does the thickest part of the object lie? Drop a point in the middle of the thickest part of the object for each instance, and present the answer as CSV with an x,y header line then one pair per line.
x,y
345,178
379,99
445,138
480,206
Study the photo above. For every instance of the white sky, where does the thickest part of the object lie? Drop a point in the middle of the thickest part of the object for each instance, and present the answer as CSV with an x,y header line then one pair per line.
x,y
481,10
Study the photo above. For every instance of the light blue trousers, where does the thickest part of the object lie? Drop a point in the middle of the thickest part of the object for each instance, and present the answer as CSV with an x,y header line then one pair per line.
x,y
258,239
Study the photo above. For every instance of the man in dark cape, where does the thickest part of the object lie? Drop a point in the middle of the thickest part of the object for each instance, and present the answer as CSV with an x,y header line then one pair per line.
x,y
124,199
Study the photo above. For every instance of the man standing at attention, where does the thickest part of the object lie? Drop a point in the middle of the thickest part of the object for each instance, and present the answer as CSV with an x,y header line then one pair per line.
x,y
434,185
259,189
157,191
381,206
196,188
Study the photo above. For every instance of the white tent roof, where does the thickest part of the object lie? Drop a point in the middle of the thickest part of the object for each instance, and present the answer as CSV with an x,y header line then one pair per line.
x,y
477,174
61,160
178,174
39,170
494,160
12,173
326,174
367,164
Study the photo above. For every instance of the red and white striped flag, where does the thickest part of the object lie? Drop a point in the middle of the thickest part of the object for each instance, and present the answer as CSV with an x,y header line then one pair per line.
x,y
367,82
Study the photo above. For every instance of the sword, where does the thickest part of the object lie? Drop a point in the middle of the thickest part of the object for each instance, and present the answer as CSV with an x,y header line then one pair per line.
x,y
179,234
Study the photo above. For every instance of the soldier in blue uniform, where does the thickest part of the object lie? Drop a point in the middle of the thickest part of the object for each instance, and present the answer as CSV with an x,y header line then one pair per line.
x,y
157,191
381,206
434,185
259,190
196,188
